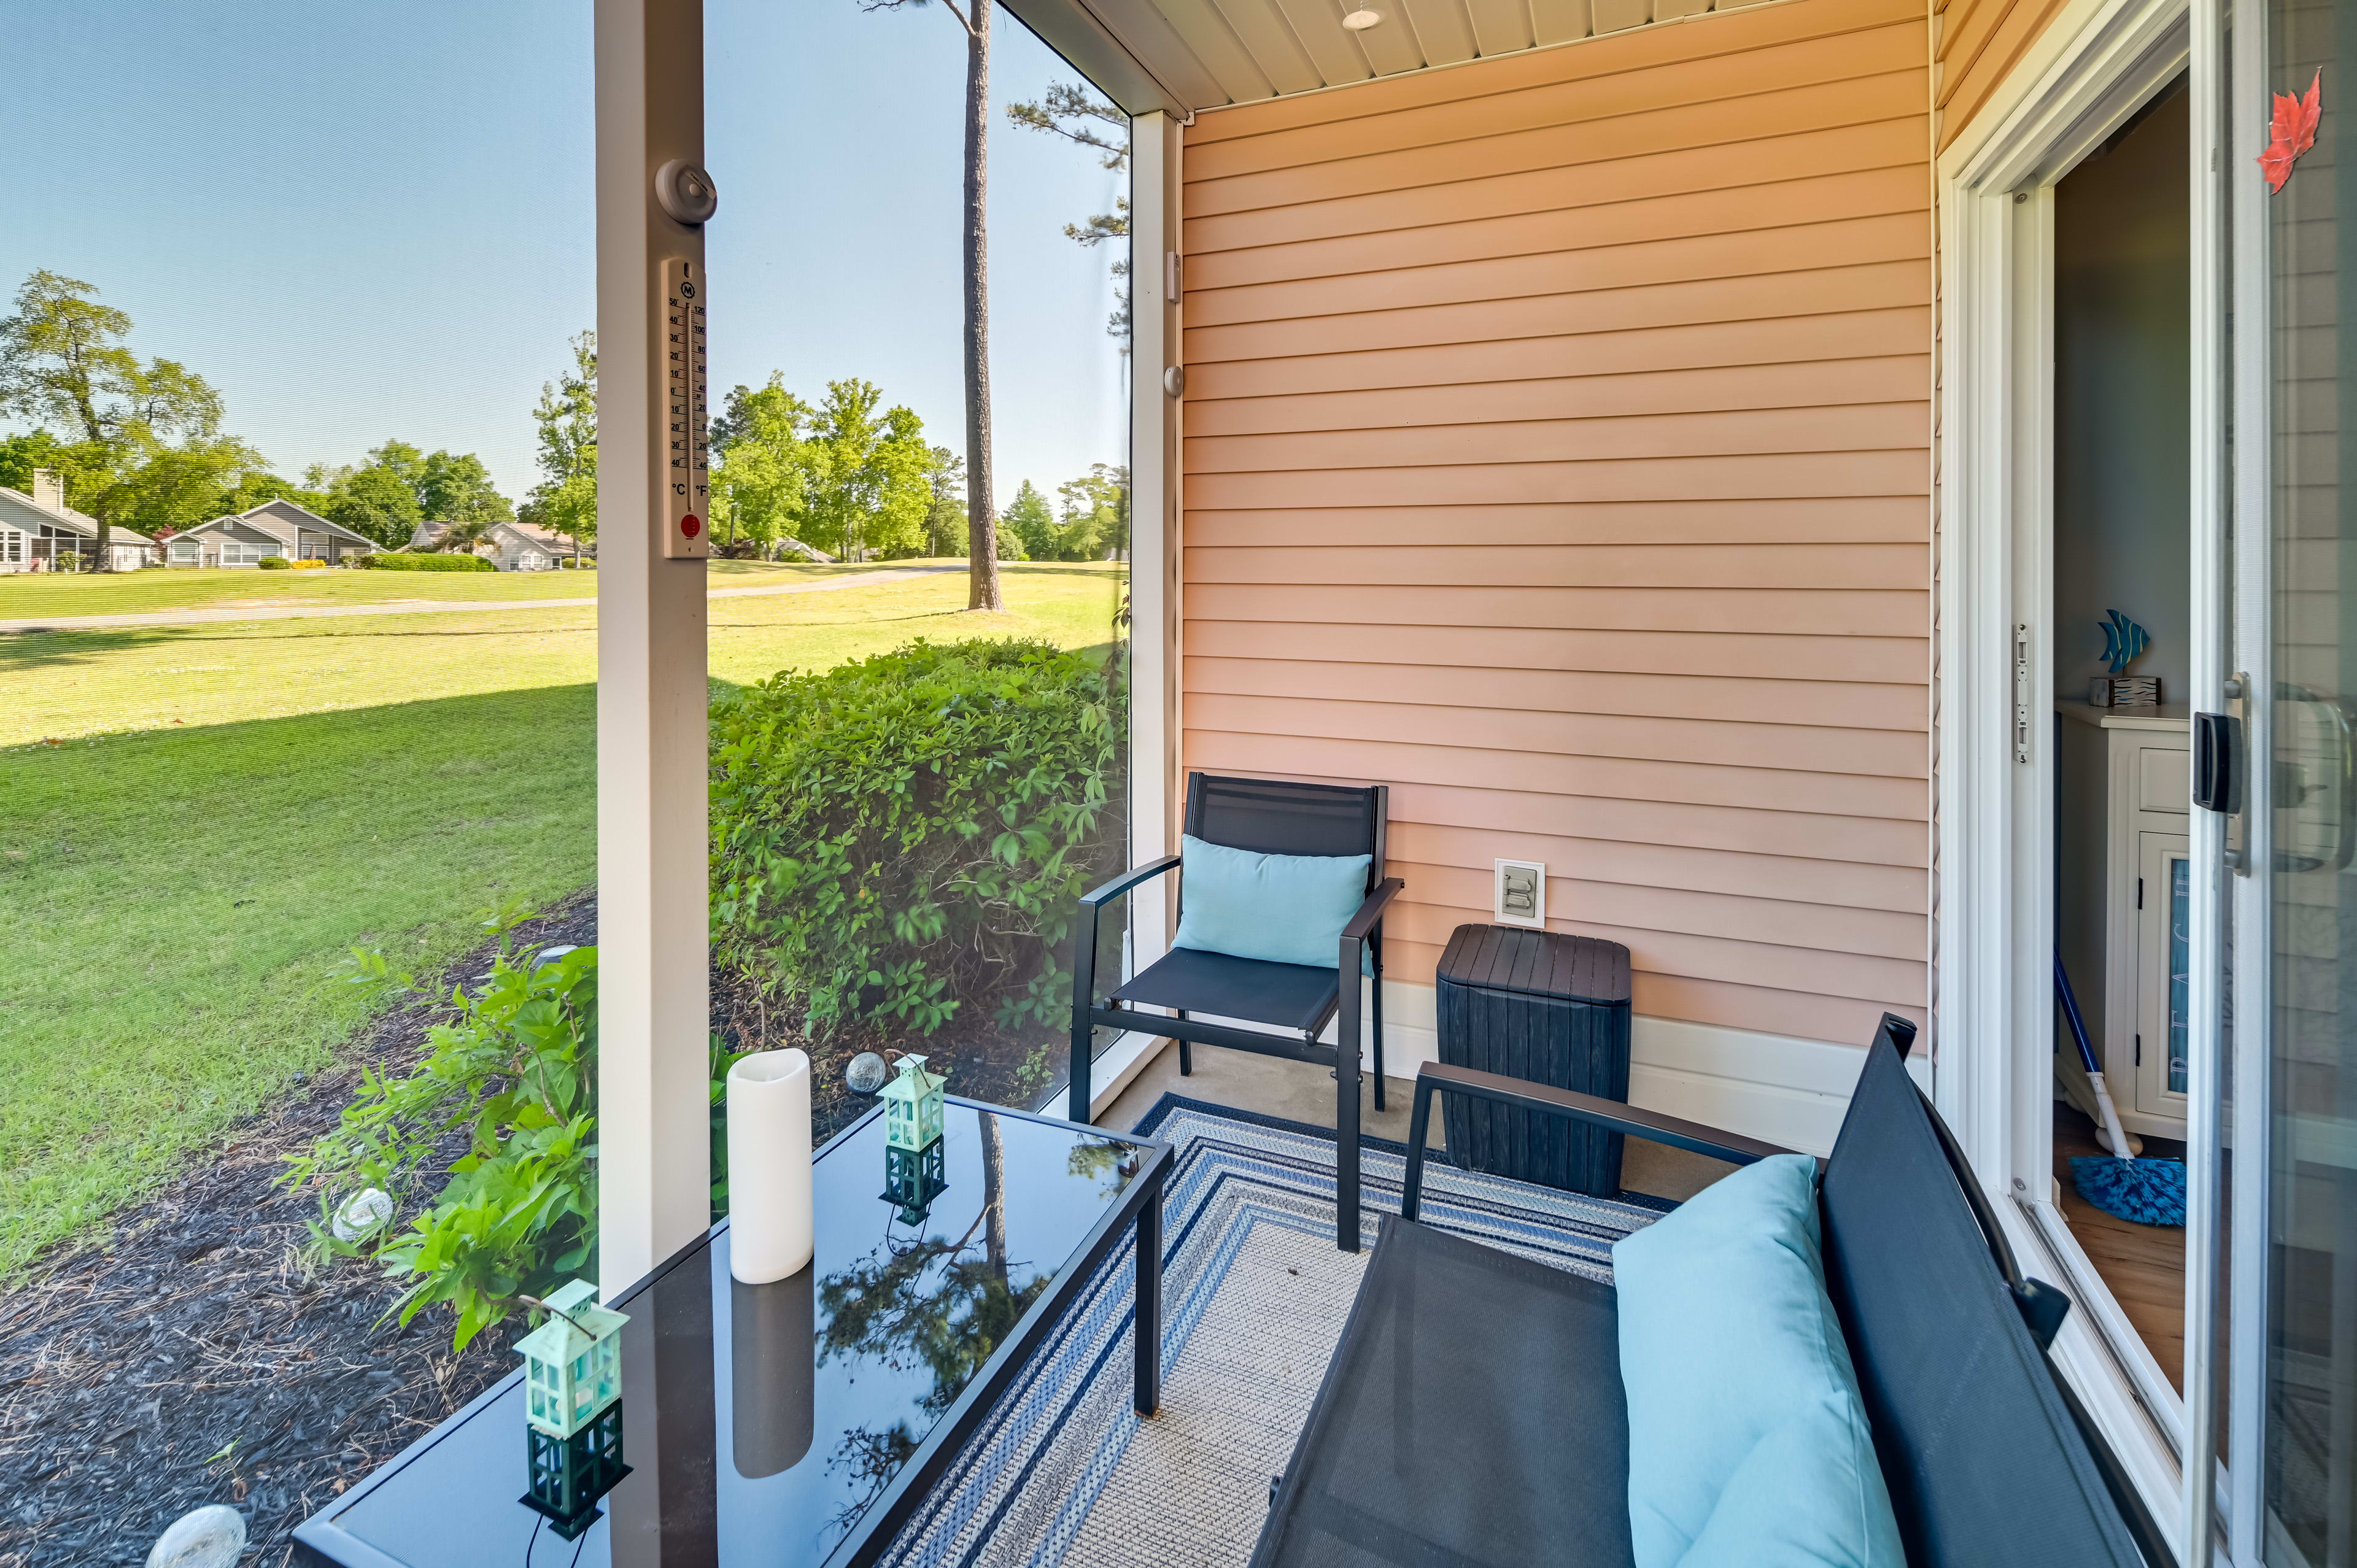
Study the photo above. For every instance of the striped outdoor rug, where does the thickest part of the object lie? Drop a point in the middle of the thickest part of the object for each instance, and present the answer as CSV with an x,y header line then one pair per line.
x,y
1254,1294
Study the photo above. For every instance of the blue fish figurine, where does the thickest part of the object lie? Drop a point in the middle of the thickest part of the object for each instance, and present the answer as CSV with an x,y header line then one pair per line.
x,y
2122,640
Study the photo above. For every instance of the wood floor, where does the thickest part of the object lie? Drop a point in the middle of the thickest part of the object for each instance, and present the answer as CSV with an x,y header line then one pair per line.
x,y
2143,1264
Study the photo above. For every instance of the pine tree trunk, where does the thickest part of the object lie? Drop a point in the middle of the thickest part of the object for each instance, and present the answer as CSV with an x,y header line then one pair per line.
x,y
981,517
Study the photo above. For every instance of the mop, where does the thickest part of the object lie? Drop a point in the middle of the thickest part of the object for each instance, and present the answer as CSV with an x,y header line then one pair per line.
x,y
2148,1192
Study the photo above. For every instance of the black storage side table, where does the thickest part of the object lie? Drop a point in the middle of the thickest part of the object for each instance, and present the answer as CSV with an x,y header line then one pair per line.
x,y
1550,1009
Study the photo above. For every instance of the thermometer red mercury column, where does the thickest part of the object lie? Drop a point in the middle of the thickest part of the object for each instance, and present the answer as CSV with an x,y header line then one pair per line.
x,y
687,477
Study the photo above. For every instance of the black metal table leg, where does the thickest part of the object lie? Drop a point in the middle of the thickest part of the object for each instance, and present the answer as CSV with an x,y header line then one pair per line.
x,y
1147,1395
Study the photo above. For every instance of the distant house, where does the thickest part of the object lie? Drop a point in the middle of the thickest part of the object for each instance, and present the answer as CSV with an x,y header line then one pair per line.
x,y
273,528
509,546
38,533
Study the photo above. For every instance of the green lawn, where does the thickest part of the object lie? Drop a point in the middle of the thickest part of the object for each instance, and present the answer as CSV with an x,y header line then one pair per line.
x,y
24,596
195,823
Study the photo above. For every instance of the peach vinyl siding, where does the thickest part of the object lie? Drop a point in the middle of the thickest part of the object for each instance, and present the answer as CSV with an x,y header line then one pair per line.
x,y
1977,43
1556,451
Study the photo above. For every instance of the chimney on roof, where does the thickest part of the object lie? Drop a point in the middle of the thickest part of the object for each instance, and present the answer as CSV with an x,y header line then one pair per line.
x,y
49,489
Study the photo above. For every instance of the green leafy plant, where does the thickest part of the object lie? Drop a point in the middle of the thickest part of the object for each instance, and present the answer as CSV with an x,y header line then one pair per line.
x,y
897,838
514,1070
273,563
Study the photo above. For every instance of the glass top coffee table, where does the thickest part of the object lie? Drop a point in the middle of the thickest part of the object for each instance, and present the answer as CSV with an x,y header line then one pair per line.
x,y
799,1425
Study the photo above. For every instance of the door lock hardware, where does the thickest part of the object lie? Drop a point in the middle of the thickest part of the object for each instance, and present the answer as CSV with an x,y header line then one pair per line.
x,y
2021,692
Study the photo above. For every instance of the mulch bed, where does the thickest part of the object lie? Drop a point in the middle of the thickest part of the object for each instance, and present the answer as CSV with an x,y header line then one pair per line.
x,y
190,1357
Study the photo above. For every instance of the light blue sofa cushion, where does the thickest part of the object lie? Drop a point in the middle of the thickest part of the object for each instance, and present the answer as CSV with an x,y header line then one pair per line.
x,y
1284,908
1748,1443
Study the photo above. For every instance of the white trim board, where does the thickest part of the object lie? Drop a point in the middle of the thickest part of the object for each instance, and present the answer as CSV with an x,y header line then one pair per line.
x,y
1776,1088
2087,73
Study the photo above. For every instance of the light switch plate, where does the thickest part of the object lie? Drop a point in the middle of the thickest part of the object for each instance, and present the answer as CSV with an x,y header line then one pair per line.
x,y
1520,898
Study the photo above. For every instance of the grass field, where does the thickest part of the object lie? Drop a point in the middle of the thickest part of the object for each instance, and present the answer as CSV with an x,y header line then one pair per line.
x,y
24,596
196,823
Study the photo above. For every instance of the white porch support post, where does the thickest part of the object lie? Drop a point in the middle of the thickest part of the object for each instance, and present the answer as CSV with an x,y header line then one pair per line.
x,y
654,1167
1155,346
1155,349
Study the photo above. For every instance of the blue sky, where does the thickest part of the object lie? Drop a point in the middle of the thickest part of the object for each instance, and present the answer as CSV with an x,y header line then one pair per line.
x,y
368,221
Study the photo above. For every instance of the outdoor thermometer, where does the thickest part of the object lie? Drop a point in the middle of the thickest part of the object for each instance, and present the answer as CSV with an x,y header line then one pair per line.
x,y
687,479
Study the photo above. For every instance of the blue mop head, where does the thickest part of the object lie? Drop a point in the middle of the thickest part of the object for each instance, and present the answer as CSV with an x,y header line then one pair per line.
x,y
2148,1192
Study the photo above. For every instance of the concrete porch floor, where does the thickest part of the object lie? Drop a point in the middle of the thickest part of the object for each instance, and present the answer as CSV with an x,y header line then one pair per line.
x,y
1301,1091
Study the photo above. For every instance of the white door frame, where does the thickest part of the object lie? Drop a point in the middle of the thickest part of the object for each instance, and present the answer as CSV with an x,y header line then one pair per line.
x,y
1993,1019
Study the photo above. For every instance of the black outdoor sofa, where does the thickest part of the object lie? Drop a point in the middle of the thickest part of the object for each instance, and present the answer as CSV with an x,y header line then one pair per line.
x,y
1473,1413
1266,816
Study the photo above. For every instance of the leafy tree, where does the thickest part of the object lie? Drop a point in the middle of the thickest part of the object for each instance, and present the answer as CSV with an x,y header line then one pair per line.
x,y
982,518
761,463
1096,512
252,490
62,359
87,467
375,500
180,487
868,493
945,517
1070,110
401,460
566,500
65,365
167,399
1028,518
457,485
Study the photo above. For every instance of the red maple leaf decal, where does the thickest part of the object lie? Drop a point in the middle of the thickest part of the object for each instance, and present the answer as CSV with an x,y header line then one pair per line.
x,y
2292,131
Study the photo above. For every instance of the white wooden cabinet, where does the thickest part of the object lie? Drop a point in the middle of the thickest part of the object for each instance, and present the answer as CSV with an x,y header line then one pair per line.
x,y
2125,783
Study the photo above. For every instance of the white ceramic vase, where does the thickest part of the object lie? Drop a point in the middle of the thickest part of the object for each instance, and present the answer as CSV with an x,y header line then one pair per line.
x,y
770,1218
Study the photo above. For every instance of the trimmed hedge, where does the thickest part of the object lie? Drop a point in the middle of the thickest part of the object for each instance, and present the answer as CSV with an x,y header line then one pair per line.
x,y
386,562
897,838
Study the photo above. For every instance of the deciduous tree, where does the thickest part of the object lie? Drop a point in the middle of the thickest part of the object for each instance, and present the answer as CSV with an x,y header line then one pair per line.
x,y
869,492
760,464
945,515
566,500
456,485
149,434
377,501
1096,512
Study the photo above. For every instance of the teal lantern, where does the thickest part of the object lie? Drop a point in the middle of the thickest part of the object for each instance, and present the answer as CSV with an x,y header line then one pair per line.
x,y
913,1178
573,1408
913,1171
912,1107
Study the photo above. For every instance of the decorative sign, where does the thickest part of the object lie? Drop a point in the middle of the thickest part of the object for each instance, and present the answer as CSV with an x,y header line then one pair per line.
x,y
2292,131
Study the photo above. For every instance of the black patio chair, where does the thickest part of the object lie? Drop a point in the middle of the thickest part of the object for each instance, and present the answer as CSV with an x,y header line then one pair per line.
x,y
1427,1445
1265,816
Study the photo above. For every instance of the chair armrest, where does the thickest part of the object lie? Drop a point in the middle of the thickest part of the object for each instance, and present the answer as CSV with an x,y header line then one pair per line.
x,y
1371,913
1610,1114
1127,880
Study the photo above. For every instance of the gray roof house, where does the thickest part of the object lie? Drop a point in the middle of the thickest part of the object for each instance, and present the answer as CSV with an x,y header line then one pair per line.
x,y
509,546
39,532
273,528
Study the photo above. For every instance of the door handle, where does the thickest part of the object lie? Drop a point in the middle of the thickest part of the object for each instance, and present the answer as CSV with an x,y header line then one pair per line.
x,y
2217,763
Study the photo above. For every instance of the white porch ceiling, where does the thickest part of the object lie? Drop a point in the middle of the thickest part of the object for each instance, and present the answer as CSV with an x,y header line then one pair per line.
x,y
1179,56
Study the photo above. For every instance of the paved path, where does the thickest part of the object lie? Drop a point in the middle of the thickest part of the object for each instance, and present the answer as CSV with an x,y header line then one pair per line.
x,y
436,606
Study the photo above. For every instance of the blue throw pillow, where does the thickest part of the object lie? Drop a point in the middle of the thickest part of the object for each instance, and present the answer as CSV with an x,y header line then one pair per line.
x,y
1747,1441
1284,908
